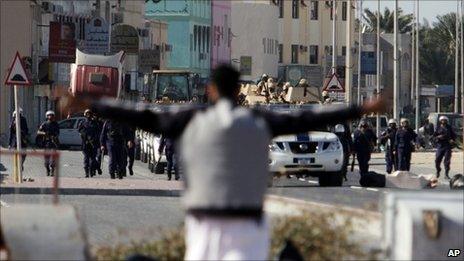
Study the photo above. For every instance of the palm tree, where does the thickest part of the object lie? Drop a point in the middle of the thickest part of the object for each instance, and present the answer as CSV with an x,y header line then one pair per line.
x,y
387,19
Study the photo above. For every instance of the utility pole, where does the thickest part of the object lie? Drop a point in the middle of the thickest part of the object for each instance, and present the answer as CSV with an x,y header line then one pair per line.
x,y
395,64
418,86
377,120
334,36
462,57
456,62
348,62
413,55
360,41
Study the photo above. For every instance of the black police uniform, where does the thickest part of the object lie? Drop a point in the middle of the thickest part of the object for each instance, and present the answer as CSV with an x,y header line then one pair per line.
x,y
90,141
130,136
388,140
363,146
51,142
100,153
24,133
169,145
443,135
404,139
112,138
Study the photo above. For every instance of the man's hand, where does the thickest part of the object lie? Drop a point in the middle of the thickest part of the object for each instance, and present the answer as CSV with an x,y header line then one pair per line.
x,y
130,144
377,105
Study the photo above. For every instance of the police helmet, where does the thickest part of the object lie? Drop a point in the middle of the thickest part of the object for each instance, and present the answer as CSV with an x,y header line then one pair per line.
x,y
363,123
20,112
87,111
392,121
303,82
339,128
48,113
264,76
443,118
325,93
404,120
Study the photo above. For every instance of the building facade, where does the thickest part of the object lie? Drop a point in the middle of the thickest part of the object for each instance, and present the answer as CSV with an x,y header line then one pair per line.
x,y
255,38
305,38
189,32
221,37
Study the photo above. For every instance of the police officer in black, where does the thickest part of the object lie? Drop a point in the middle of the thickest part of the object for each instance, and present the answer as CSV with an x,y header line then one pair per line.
x,y
90,142
363,144
444,137
168,145
404,143
50,132
99,156
387,138
24,133
130,148
112,140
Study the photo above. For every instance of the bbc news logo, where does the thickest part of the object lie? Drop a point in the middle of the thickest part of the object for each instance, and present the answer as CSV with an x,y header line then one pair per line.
x,y
454,252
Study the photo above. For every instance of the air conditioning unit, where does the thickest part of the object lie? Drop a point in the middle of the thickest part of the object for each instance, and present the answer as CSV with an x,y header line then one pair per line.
x,y
143,32
303,48
117,18
47,7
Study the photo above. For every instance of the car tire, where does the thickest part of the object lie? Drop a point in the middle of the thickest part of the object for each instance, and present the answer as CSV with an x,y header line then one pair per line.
x,y
333,179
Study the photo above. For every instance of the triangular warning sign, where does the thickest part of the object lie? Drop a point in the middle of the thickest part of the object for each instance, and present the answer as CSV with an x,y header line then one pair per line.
x,y
334,85
17,74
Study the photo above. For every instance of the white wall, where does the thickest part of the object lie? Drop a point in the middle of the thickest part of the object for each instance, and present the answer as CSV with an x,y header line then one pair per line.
x,y
251,22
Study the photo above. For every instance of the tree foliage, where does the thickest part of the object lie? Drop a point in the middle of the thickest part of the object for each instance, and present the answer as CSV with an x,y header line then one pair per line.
x,y
387,19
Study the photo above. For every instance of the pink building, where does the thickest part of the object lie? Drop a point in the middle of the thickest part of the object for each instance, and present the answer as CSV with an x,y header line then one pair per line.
x,y
221,32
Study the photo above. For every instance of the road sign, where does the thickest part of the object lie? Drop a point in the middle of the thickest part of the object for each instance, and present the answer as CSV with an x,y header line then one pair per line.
x,y
17,74
334,85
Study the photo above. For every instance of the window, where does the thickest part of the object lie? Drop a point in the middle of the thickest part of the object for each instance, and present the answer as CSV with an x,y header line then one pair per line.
x,y
344,10
328,50
343,50
191,42
295,53
208,35
313,54
281,55
295,9
230,38
281,8
314,10
195,36
204,38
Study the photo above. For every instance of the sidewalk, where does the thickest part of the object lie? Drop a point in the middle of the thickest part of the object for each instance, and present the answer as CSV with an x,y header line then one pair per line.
x,y
93,186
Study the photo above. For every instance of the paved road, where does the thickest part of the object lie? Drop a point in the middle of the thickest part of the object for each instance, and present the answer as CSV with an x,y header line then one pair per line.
x,y
116,219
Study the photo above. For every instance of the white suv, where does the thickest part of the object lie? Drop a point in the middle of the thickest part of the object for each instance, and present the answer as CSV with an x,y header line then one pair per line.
x,y
318,154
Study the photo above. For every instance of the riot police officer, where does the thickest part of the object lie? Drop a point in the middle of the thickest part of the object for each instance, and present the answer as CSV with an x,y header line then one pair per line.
x,y
130,148
99,156
404,143
363,144
90,142
343,134
168,145
444,137
112,140
50,132
387,139
24,134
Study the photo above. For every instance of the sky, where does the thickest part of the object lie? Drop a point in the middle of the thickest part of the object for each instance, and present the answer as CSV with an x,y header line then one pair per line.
x,y
428,9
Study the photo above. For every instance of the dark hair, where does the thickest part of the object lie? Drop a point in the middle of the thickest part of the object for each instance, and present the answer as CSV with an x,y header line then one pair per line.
x,y
226,78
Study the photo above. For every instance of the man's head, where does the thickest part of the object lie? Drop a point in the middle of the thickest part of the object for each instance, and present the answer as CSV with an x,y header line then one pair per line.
x,y
443,120
363,125
404,122
392,123
88,113
457,182
224,83
50,115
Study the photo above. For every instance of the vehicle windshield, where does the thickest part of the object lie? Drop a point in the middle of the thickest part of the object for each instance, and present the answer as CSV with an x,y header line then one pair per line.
x,y
456,123
173,86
